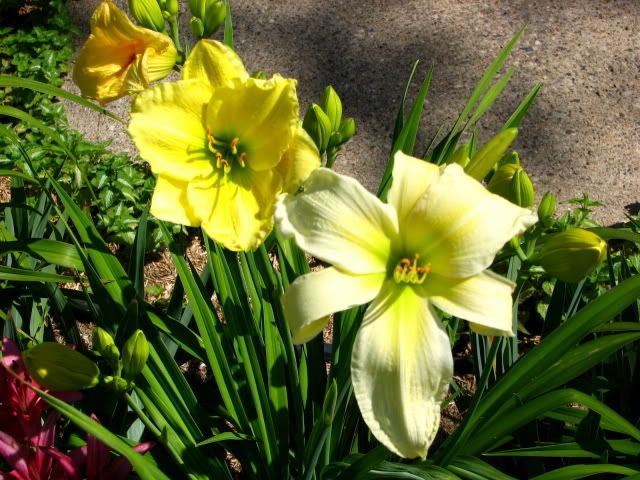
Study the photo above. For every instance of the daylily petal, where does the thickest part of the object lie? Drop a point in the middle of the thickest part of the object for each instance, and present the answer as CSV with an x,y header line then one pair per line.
x,y
312,297
298,162
167,126
136,79
411,178
214,63
337,220
262,114
170,202
237,211
400,368
484,299
458,226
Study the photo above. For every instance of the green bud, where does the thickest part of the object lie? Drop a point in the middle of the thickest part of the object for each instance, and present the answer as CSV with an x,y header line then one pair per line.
x,y
213,17
547,208
332,106
196,27
318,126
57,367
104,344
329,404
511,182
572,255
147,13
134,354
347,129
511,157
198,8
460,156
172,7
485,158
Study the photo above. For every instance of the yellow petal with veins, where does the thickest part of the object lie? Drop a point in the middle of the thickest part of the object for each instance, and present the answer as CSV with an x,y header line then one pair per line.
x,y
214,63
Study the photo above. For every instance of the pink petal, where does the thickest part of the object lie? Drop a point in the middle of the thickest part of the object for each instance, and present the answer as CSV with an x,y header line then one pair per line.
x,y
64,463
15,455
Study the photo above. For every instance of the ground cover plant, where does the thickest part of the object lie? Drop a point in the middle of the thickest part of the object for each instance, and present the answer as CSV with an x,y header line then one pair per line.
x,y
320,333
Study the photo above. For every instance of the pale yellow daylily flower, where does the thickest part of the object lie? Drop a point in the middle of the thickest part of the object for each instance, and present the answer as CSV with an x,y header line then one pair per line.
x,y
429,246
120,58
223,146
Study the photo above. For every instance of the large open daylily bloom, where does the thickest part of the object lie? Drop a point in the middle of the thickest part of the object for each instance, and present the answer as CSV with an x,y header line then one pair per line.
x,y
120,58
223,146
427,247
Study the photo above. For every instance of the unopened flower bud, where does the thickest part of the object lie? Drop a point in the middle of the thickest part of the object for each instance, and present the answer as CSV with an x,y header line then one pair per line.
x,y
134,354
57,367
260,75
214,16
318,126
511,182
332,106
198,8
329,404
511,157
147,13
196,27
572,255
172,7
485,158
460,156
547,208
347,129
104,344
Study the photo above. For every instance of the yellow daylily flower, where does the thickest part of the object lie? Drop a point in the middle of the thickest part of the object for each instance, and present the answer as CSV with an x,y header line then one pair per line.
x,y
223,146
429,246
120,58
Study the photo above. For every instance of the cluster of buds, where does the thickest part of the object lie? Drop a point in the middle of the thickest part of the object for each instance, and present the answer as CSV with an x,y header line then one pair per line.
x,y
207,17
325,125
126,366
152,14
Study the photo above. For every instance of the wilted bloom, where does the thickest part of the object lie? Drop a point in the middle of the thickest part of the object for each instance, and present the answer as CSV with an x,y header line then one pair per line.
x,y
427,247
223,146
120,58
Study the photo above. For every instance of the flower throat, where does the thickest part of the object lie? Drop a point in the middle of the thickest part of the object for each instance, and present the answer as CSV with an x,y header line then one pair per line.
x,y
226,152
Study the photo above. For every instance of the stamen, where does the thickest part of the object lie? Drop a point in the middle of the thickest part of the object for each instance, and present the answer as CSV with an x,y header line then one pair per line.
x,y
407,271
233,145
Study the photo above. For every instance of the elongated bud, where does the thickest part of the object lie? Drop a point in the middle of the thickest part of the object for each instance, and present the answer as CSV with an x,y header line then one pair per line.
x,y
134,354
572,255
196,27
104,344
511,157
485,158
460,156
198,8
147,13
318,126
547,208
329,404
347,129
172,7
332,106
57,367
214,17
511,182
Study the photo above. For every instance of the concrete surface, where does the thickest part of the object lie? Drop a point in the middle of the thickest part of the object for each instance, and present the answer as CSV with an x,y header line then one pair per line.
x,y
581,134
